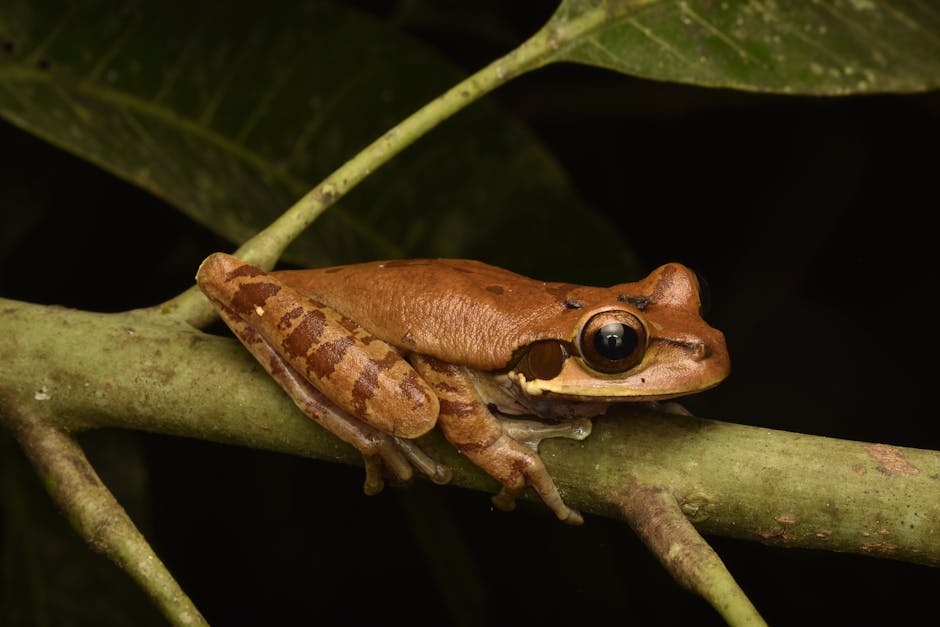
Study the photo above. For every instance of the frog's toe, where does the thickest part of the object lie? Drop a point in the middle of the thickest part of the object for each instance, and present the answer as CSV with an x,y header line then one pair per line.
x,y
540,480
385,455
399,458
424,463
570,517
374,483
504,500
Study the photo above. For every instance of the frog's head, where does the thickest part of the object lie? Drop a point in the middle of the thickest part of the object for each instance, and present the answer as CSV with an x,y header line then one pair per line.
x,y
647,342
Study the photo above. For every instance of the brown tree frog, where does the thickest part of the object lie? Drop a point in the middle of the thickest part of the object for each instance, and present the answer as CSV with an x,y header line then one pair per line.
x,y
378,353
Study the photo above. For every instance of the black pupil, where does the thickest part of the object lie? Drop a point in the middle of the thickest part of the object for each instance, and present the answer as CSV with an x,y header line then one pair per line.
x,y
615,341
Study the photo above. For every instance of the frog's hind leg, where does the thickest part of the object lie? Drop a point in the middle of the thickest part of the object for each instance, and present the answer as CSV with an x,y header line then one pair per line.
x,y
479,435
344,378
379,450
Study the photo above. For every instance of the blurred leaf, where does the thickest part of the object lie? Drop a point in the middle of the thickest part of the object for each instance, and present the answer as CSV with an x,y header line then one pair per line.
x,y
231,112
834,47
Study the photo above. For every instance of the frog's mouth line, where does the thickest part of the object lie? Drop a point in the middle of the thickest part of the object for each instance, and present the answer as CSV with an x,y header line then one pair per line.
x,y
594,393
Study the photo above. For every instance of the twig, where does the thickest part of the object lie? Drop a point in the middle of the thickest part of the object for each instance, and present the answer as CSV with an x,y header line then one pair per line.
x,y
656,517
95,514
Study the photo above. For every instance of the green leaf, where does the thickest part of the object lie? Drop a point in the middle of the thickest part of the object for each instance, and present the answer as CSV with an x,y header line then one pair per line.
x,y
820,47
231,112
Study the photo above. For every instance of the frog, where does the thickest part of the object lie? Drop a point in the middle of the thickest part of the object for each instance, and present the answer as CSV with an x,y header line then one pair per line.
x,y
381,352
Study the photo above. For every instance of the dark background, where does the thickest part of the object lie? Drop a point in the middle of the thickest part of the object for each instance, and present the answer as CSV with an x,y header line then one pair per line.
x,y
812,221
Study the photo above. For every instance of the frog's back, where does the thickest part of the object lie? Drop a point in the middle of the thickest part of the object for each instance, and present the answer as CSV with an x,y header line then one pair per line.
x,y
460,311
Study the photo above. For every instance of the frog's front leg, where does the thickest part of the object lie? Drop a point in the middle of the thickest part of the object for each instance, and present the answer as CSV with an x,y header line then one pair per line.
x,y
353,384
472,428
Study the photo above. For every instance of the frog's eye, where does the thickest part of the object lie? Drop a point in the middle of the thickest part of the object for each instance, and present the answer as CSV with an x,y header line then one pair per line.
x,y
612,341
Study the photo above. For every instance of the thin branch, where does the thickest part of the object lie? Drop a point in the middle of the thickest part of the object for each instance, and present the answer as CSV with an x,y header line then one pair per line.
x,y
94,512
655,515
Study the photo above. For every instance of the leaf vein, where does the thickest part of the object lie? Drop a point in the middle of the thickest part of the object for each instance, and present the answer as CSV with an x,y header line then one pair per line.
x,y
872,41
42,46
112,52
911,23
171,165
194,129
278,81
176,68
658,40
815,45
315,123
728,41
225,81
594,43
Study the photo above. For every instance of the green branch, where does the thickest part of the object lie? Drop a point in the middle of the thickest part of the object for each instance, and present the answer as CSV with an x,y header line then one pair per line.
x,y
93,511
655,515
773,487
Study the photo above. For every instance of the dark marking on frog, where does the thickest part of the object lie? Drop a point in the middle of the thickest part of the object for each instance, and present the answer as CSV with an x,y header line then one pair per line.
x,y
305,335
251,295
323,360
